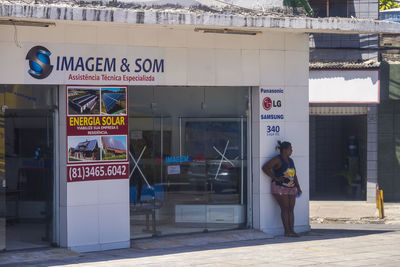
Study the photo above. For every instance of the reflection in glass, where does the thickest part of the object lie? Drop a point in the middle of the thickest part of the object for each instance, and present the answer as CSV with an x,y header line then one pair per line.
x,y
188,159
27,135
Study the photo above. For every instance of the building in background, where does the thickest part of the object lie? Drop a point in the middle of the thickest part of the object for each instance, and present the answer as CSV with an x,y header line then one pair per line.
x,y
344,97
388,111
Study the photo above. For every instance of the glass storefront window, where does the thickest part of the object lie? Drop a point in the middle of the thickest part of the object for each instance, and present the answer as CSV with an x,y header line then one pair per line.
x,y
27,165
188,149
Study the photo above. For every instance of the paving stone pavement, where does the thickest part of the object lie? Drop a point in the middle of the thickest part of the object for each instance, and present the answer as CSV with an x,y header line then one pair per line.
x,y
358,212
325,245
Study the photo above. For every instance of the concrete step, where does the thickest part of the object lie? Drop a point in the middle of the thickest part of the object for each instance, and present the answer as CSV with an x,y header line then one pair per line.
x,y
199,239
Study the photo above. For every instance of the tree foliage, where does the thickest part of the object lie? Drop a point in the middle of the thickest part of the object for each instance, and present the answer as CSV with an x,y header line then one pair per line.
x,y
300,3
387,4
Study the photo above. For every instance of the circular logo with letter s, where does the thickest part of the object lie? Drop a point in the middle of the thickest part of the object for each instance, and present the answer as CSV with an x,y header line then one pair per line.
x,y
39,62
267,103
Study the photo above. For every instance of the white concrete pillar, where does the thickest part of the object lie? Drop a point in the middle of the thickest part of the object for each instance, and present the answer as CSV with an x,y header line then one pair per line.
x,y
285,79
372,152
94,215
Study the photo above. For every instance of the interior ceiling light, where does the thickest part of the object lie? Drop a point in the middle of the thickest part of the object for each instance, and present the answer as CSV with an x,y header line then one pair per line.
x,y
226,31
26,23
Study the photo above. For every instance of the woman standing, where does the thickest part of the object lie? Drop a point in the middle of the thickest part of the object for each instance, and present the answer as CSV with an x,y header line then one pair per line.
x,y
285,186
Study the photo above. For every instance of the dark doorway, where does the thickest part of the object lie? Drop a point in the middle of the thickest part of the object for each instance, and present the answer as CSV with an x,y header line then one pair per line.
x,y
338,153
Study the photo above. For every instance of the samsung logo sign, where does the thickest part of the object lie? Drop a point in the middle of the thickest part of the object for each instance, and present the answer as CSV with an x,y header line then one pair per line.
x,y
272,117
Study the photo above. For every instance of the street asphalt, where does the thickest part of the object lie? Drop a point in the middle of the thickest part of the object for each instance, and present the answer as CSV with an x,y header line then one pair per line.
x,y
324,245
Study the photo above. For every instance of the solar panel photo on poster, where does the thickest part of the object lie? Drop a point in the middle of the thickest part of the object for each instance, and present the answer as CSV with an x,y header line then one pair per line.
x,y
85,98
114,144
111,99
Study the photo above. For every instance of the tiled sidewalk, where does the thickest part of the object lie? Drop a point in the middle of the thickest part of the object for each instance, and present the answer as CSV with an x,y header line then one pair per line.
x,y
326,244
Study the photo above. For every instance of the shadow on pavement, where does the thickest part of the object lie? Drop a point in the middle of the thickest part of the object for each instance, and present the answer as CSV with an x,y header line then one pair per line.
x,y
319,232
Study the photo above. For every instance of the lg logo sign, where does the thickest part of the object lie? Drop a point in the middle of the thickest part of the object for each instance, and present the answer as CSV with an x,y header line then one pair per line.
x,y
268,103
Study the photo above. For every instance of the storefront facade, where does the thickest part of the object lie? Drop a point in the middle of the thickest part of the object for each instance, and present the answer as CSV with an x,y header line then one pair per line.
x,y
142,124
197,131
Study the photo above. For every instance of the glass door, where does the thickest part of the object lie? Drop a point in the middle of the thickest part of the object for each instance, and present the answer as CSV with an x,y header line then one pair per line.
x,y
187,175
185,186
159,181
26,166
146,172
2,176
217,152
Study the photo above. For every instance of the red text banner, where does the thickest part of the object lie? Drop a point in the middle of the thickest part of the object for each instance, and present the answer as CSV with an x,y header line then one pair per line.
x,y
97,125
97,133
78,173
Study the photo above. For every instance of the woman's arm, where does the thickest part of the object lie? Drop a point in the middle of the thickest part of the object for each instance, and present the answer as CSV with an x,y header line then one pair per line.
x,y
297,185
296,181
269,166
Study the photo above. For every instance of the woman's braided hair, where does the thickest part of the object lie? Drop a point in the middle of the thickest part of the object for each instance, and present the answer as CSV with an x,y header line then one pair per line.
x,y
283,145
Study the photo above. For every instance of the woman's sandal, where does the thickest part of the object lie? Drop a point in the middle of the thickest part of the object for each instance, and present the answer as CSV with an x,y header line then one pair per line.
x,y
293,234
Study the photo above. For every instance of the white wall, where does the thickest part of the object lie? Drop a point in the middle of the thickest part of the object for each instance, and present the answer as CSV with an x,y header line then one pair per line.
x,y
256,4
95,214
344,86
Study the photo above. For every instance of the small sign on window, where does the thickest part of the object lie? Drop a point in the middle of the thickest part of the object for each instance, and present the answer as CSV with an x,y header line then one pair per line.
x,y
174,169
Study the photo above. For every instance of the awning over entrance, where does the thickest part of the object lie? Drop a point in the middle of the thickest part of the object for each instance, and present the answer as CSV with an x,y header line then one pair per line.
x,y
338,110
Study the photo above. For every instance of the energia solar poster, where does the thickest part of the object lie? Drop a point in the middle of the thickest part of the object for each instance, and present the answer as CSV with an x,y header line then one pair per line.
x,y
97,131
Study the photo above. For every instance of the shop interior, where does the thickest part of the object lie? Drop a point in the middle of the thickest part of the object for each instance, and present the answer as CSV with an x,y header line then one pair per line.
x,y
188,158
27,173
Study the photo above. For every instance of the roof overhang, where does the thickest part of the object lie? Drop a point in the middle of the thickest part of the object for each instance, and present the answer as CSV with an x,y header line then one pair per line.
x,y
346,65
173,17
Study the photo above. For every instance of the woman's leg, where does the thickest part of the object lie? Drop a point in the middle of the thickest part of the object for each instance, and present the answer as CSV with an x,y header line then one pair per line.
x,y
292,202
283,201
